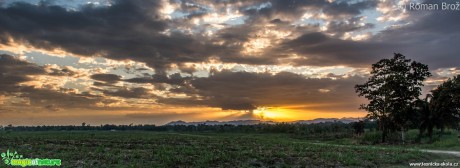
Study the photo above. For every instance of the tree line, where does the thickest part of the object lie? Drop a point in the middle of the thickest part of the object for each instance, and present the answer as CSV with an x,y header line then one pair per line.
x,y
327,129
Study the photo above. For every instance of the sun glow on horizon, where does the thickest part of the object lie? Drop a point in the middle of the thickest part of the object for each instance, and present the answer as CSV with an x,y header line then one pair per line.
x,y
286,114
270,113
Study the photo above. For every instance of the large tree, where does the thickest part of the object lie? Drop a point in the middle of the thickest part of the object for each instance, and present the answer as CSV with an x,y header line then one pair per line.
x,y
392,89
441,108
446,103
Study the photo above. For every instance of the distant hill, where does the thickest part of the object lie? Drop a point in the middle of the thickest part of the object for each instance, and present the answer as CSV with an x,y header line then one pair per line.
x,y
253,122
235,122
324,120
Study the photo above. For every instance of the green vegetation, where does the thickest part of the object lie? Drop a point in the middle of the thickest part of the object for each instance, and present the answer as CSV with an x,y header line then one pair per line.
x,y
441,109
154,149
393,91
444,141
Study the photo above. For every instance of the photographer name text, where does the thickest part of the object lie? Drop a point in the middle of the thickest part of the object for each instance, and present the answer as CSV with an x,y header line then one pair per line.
x,y
444,6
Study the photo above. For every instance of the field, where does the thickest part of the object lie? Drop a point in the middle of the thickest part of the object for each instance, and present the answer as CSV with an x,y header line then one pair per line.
x,y
153,149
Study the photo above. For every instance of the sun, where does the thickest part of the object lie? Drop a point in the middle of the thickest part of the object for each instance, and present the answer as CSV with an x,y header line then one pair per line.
x,y
273,113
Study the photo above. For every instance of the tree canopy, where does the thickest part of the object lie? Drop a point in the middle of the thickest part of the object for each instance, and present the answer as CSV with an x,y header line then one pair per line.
x,y
445,102
392,89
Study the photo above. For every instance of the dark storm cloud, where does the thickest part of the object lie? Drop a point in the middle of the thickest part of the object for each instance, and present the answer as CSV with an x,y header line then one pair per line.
x,y
187,69
294,9
108,78
348,9
135,30
63,72
14,71
281,8
194,10
247,91
10,65
173,79
125,92
321,50
128,29
333,51
96,83
432,37
59,99
131,29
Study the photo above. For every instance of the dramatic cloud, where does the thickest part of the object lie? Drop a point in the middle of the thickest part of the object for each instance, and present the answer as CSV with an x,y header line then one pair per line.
x,y
294,9
431,37
14,71
322,50
109,78
174,79
132,56
137,30
247,91
124,92
124,30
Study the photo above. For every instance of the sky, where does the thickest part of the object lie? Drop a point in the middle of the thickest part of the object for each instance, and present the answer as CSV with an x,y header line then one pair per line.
x,y
64,62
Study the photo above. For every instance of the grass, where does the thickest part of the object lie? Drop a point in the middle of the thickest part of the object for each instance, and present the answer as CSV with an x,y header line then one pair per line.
x,y
152,149
443,141
446,141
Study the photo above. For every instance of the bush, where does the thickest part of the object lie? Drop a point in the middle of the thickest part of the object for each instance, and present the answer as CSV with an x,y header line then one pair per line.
x,y
394,137
375,137
371,138
412,136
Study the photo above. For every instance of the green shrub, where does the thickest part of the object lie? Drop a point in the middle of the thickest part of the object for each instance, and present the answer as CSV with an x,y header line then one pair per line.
x,y
412,135
375,137
394,137
371,138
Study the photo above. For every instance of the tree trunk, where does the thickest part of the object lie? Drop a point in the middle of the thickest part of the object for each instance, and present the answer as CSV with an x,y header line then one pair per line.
x,y
403,135
458,133
421,130
383,129
384,134
430,134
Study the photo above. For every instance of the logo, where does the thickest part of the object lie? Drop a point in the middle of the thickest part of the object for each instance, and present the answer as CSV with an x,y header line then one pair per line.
x,y
14,159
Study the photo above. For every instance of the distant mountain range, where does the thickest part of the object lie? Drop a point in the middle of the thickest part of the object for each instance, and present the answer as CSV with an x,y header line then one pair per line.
x,y
253,122
324,120
235,122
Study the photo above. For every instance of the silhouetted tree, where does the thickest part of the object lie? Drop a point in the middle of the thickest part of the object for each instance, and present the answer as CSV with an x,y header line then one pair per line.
x,y
425,117
392,90
358,127
440,109
445,103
